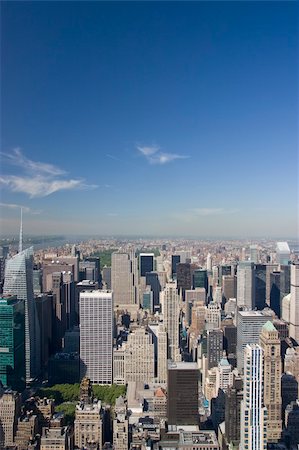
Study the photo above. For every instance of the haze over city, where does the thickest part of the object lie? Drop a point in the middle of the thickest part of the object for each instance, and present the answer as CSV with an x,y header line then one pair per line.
x,y
150,118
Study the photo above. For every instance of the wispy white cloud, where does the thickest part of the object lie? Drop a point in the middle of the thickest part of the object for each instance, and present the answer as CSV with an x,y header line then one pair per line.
x,y
40,186
154,155
212,211
14,206
112,214
113,157
147,151
24,208
17,158
40,179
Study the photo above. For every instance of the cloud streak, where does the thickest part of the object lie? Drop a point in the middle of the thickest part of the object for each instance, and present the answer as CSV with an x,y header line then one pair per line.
x,y
18,159
154,155
40,179
24,208
212,211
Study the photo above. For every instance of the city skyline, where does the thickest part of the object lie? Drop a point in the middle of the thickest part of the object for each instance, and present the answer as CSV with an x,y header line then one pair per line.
x,y
150,118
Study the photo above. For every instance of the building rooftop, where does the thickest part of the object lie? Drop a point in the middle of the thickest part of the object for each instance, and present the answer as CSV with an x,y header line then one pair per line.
x,y
182,365
253,314
269,326
283,247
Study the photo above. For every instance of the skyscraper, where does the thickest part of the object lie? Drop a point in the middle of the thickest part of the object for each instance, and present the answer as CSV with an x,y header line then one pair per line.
x,y
140,356
253,411
275,292
245,284
270,343
184,277
171,312
175,259
146,263
12,343
282,253
229,285
249,326
124,278
182,399
200,279
254,254
96,336
294,304
10,407
260,285
214,347
19,281
234,396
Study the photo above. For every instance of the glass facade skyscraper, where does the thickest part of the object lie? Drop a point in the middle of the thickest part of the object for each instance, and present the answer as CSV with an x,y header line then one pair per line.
x,y
200,279
12,343
19,281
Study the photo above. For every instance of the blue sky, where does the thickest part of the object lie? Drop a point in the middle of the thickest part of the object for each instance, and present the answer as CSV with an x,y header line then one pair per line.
x,y
160,118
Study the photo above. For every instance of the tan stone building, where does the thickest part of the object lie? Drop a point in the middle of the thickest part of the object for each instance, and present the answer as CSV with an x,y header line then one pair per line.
x,y
88,424
120,425
10,404
140,357
270,343
59,438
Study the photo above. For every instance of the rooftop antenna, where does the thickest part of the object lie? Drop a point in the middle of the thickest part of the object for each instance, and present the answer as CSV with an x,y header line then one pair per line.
x,y
21,233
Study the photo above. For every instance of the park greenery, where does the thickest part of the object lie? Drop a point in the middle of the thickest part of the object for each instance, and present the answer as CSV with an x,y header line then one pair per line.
x,y
63,394
105,256
68,409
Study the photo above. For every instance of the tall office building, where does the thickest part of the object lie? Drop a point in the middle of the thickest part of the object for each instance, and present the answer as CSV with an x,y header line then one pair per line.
x,y
171,313
214,347
54,266
269,269
162,355
260,286
146,263
253,411
229,286
234,396
270,343
254,256
275,293
184,277
140,357
88,426
282,253
96,336
182,399
19,281
285,280
249,327
152,280
120,425
10,408
59,309
124,278
200,279
213,316
37,281
12,343
175,259
106,278
245,284
44,307
294,303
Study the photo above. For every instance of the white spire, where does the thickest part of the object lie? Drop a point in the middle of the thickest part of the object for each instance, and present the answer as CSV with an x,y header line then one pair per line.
x,y
21,233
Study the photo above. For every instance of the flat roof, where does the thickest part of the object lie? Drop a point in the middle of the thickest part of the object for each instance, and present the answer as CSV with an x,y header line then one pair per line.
x,y
182,365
